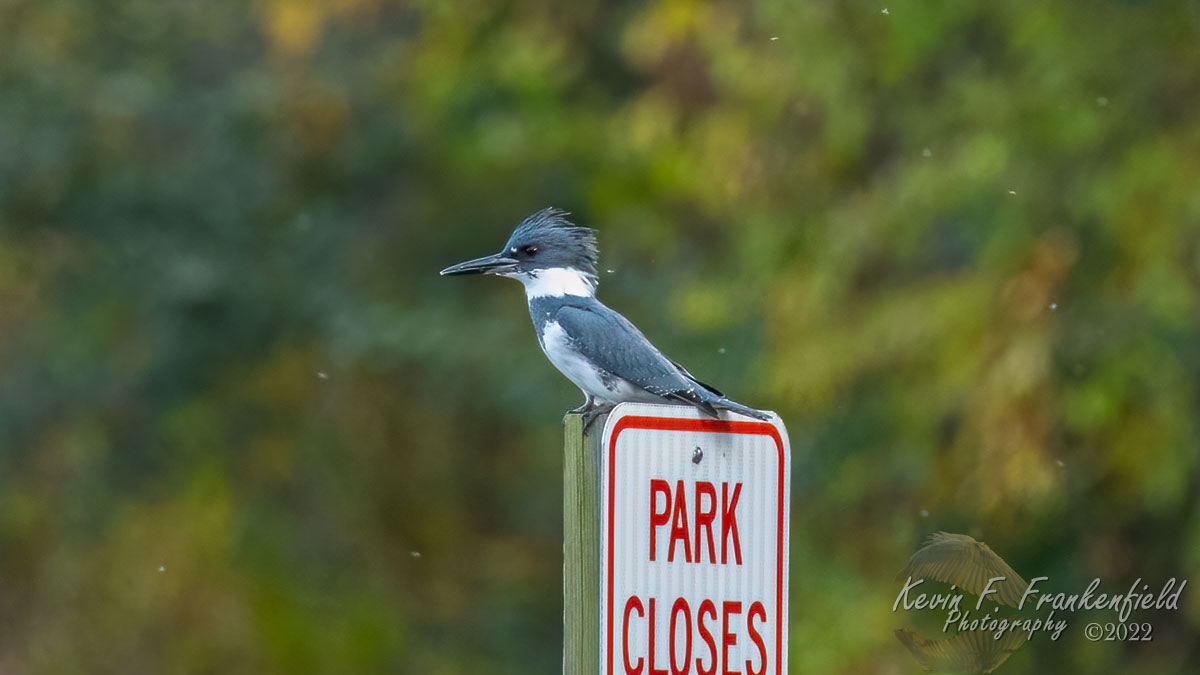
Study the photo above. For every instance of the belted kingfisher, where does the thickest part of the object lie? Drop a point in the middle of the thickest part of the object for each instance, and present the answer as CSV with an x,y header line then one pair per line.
x,y
599,350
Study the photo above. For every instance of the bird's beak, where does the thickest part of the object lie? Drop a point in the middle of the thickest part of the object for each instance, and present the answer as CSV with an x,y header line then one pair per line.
x,y
491,264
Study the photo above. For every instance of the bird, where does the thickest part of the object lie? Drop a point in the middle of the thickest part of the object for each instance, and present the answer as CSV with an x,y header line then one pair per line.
x,y
972,651
971,565
596,348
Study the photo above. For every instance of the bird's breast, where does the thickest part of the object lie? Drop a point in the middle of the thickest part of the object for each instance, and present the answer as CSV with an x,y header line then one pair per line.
x,y
561,351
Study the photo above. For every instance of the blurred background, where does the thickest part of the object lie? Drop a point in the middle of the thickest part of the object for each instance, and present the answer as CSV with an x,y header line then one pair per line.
x,y
246,428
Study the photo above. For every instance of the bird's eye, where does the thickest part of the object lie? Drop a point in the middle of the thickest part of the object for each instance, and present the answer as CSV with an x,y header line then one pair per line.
x,y
529,249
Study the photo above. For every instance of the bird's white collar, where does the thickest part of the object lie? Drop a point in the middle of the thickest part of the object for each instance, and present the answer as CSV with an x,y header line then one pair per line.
x,y
557,282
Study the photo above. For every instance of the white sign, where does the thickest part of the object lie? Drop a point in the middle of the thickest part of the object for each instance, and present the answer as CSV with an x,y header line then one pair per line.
x,y
694,552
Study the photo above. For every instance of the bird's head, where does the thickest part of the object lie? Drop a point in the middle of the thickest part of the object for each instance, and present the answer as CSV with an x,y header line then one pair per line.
x,y
548,253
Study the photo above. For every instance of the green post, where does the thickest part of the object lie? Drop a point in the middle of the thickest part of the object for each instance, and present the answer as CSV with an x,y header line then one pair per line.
x,y
581,546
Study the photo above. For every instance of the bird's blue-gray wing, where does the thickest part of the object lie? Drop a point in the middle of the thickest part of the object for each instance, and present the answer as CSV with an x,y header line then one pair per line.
x,y
617,347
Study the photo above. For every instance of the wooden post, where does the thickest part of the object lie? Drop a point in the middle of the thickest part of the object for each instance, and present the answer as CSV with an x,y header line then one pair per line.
x,y
581,546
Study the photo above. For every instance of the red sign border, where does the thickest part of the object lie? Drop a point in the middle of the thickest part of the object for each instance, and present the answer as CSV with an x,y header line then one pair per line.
x,y
707,426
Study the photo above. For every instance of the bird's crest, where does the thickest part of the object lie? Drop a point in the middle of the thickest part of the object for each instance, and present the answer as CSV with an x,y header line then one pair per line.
x,y
568,244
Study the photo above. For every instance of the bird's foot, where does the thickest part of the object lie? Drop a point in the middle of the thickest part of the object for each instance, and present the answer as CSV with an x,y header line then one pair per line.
x,y
595,410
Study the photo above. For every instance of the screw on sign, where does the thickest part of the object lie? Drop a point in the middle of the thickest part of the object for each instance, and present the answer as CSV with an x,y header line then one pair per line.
x,y
694,554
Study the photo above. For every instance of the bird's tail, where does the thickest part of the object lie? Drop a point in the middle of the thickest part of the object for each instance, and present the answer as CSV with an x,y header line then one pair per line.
x,y
733,406
710,403
709,400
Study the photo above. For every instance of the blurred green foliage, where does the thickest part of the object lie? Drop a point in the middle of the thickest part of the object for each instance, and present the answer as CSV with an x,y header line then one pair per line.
x,y
244,427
